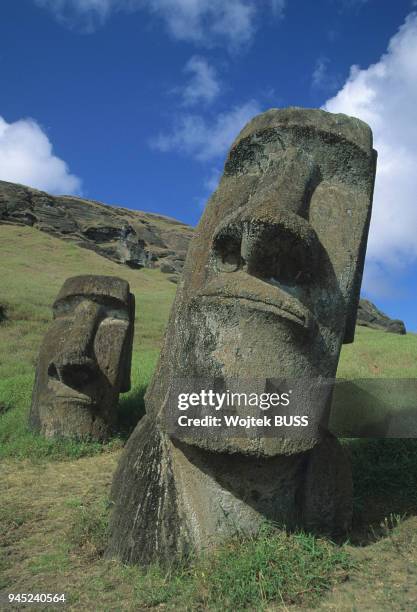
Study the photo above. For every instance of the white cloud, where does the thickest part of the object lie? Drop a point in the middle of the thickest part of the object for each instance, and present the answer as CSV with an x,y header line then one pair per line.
x,y
205,21
319,72
200,21
278,7
85,15
26,157
213,179
384,282
322,78
203,139
203,85
385,96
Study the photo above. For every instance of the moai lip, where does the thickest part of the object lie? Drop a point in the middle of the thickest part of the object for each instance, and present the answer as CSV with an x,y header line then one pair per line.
x,y
85,359
269,290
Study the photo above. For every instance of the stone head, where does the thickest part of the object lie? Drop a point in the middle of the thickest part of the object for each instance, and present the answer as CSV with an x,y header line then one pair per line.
x,y
271,282
85,359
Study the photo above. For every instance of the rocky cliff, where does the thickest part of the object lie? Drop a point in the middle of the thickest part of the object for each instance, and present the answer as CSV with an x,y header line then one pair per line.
x,y
370,316
130,237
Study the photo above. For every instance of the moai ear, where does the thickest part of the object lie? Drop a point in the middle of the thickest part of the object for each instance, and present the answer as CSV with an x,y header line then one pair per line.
x,y
340,213
352,305
352,309
126,363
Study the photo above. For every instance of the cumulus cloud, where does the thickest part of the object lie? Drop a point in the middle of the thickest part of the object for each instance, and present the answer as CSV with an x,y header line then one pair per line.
x,y
204,139
198,21
205,21
203,85
26,156
385,96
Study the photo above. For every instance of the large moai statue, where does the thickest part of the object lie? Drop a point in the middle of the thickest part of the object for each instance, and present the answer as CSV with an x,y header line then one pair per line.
x,y
85,359
269,291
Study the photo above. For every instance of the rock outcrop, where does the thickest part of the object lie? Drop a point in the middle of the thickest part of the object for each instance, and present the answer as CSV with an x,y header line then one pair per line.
x,y
370,316
130,237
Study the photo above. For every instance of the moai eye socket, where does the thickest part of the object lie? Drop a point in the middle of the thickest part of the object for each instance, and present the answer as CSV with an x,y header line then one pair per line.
x,y
227,255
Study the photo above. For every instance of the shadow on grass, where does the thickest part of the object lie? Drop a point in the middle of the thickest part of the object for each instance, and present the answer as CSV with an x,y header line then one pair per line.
x,y
4,408
131,410
385,484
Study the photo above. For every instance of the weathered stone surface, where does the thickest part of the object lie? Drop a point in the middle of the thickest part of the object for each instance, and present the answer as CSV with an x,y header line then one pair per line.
x,y
370,316
167,267
270,290
134,238
85,359
171,266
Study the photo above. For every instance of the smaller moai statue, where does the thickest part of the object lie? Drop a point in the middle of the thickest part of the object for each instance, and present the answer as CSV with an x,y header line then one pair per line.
x,y
85,359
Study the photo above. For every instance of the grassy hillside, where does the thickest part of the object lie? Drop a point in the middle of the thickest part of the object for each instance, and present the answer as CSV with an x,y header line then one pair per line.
x,y
34,266
378,354
53,515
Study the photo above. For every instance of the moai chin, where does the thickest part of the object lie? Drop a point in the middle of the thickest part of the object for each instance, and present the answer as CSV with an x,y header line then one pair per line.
x,y
85,359
270,289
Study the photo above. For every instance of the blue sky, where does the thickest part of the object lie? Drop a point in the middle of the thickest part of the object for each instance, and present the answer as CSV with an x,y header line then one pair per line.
x,y
135,102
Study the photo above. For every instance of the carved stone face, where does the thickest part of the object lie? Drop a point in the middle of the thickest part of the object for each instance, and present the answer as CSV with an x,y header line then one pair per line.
x,y
85,359
269,290
272,278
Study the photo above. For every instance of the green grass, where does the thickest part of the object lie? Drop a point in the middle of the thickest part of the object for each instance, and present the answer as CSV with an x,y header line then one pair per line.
x,y
55,515
250,573
385,481
378,354
90,528
245,573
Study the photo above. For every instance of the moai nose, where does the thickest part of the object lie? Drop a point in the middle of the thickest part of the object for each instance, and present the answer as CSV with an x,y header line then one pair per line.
x,y
75,364
282,252
254,239
76,376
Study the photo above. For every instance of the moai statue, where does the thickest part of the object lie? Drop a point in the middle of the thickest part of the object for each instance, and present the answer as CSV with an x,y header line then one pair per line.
x,y
131,249
85,359
270,290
